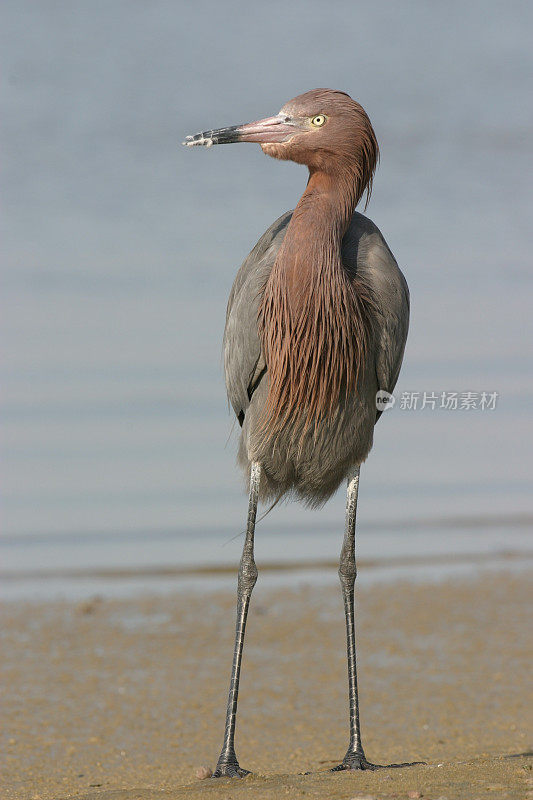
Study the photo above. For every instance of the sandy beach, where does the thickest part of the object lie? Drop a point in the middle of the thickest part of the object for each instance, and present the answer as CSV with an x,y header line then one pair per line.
x,y
125,698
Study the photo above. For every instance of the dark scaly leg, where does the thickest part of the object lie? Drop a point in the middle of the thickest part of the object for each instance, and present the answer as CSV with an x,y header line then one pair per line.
x,y
227,763
355,756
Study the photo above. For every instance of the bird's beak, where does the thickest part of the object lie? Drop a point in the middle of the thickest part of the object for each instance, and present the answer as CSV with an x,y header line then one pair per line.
x,y
271,130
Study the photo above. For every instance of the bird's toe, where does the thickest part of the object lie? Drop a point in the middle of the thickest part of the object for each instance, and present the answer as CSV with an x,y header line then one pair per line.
x,y
355,762
230,770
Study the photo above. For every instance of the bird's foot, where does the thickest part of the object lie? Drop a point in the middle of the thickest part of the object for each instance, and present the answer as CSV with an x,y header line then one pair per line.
x,y
229,768
355,761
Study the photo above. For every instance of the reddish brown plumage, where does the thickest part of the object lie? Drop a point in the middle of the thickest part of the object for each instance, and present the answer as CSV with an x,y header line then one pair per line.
x,y
314,319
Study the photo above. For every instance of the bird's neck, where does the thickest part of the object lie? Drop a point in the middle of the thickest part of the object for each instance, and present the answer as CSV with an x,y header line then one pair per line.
x,y
330,197
311,318
312,245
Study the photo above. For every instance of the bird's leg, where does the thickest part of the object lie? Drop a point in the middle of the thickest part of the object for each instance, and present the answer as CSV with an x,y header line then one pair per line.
x,y
227,763
355,756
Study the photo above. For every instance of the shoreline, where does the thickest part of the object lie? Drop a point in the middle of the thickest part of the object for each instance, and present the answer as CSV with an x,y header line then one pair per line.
x,y
122,698
155,571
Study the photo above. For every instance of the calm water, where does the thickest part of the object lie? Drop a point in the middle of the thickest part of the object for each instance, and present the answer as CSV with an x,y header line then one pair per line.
x,y
120,247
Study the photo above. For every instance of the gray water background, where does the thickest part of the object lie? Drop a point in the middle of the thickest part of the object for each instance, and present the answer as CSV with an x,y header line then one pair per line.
x,y
119,248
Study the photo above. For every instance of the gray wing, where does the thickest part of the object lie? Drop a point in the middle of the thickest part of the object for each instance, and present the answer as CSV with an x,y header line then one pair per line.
x,y
365,245
244,365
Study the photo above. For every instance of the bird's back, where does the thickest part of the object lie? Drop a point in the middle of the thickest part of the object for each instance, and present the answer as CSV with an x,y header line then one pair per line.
x,y
312,461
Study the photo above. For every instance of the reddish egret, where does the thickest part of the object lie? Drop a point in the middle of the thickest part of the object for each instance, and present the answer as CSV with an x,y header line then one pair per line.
x,y
316,326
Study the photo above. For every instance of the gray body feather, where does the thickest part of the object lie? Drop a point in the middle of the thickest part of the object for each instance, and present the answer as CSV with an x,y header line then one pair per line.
x,y
312,463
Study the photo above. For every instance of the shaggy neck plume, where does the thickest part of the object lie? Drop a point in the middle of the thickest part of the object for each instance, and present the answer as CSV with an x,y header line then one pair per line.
x,y
313,321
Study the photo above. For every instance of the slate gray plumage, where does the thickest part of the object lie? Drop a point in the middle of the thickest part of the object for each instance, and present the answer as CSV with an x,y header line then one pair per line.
x,y
316,469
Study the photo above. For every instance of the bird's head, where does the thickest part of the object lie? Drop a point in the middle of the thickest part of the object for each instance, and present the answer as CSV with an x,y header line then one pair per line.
x,y
323,128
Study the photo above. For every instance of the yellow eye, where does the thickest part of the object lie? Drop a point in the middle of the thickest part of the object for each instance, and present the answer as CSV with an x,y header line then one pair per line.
x,y
318,121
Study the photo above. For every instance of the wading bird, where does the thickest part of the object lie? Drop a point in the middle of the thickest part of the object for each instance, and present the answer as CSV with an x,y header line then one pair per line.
x,y
315,331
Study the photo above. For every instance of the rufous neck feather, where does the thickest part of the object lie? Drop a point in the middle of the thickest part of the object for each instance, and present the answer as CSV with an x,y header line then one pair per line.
x,y
312,319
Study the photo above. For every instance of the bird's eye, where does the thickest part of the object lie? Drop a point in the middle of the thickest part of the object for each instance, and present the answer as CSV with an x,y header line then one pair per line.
x,y
318,121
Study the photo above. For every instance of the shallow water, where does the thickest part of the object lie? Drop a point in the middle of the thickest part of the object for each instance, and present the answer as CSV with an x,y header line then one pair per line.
x,y
125,565
120,248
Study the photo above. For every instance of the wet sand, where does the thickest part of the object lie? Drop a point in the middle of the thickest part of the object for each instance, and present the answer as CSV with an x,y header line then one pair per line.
x,y
125,698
